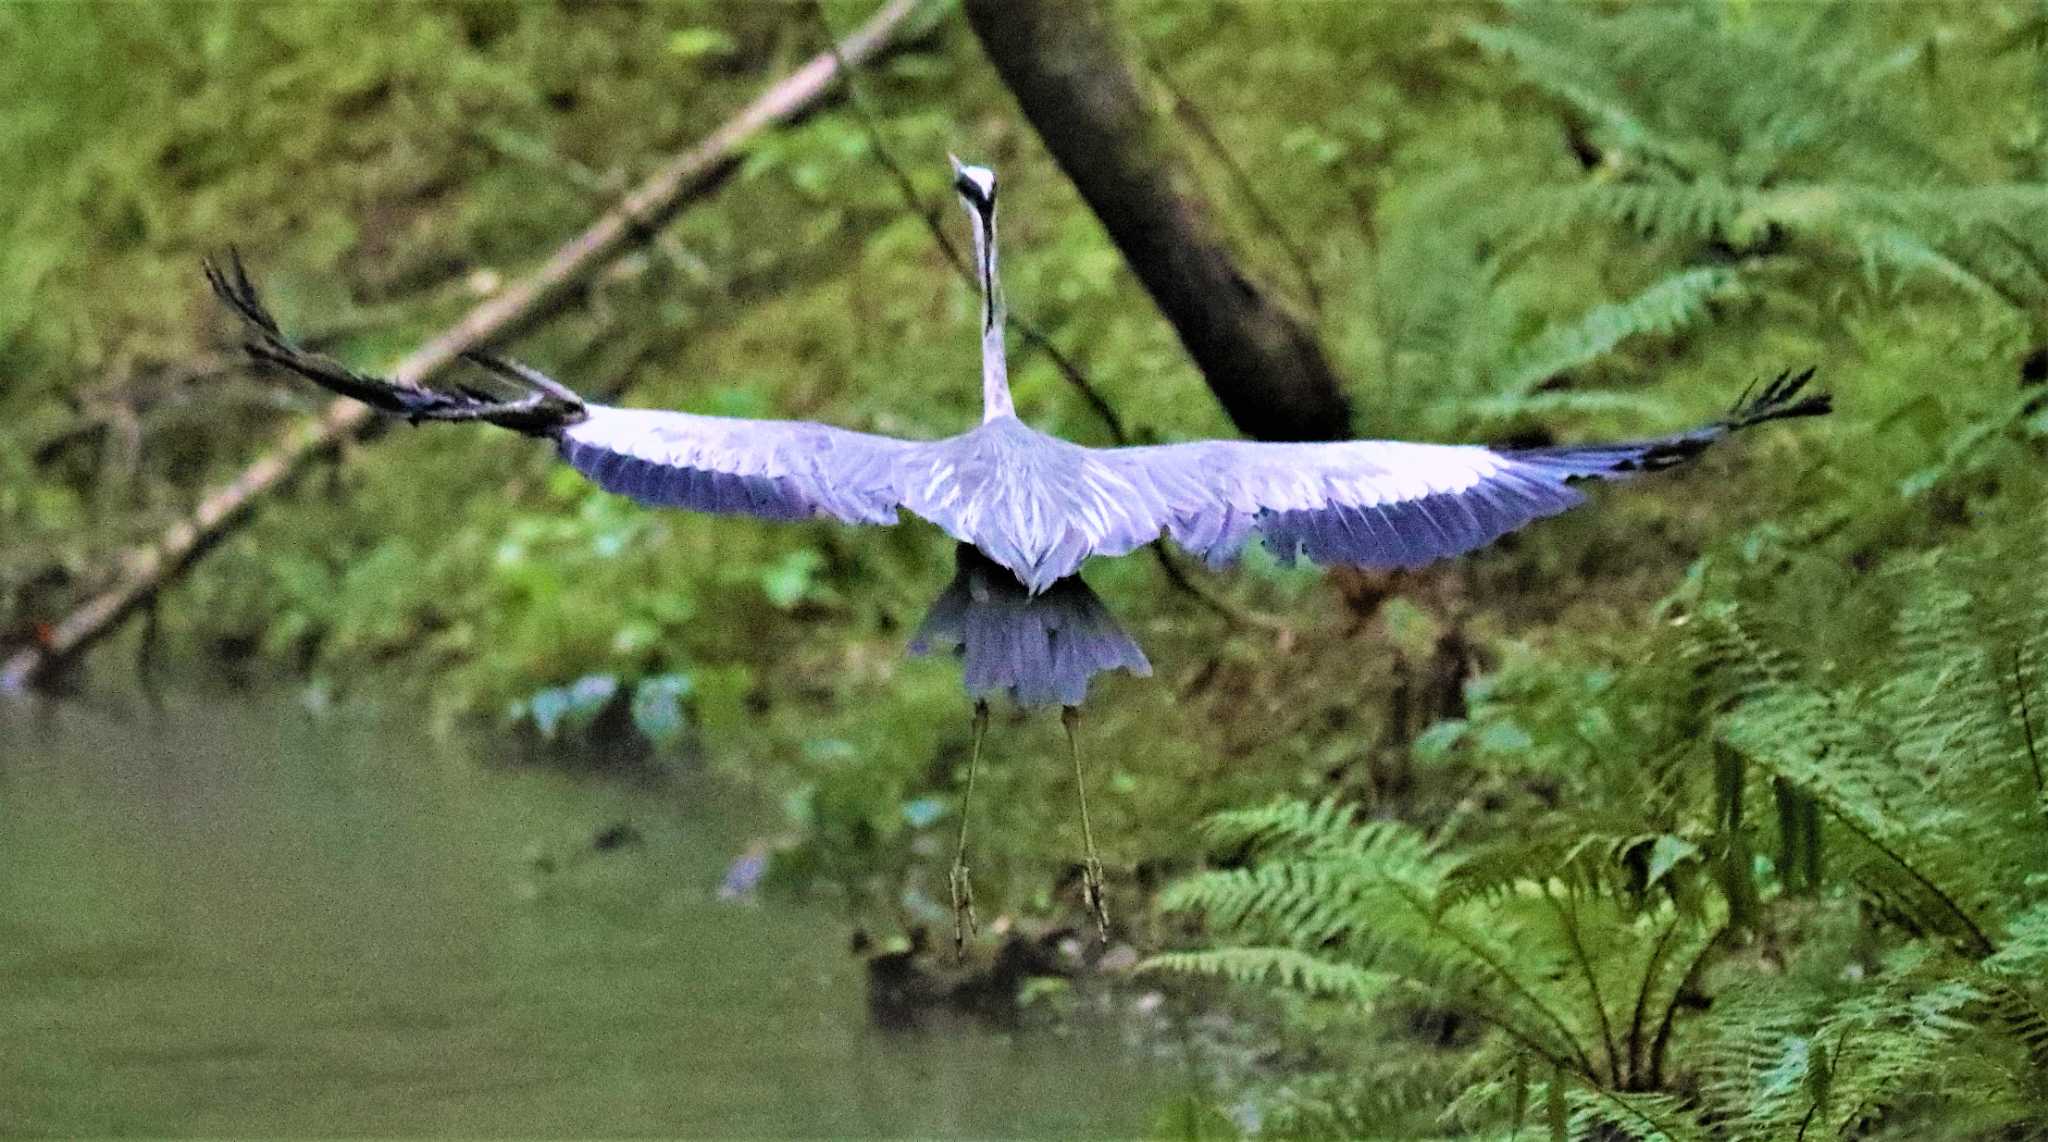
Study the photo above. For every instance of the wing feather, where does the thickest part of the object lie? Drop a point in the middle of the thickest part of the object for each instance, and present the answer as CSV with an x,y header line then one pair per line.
x,y
773,469
770,468
1376,503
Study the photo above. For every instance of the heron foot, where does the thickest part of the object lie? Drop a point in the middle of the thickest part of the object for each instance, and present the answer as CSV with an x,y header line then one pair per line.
x,y
1091,891
1091,866
965,923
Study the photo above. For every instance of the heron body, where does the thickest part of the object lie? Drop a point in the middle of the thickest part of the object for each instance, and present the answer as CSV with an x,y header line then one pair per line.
x,y
1028,509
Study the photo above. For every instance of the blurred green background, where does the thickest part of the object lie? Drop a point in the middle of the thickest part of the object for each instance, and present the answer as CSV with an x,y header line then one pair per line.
x,y
1713,811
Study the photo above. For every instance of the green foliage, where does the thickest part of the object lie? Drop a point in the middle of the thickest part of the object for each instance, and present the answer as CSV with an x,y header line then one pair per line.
x,y
1913,997
1371,916
1725,133
1756,873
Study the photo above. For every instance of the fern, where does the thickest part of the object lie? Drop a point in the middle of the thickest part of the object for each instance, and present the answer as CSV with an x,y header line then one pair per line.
x,y
1716,133
1581,937
1287,968
1645,1117
1802,739
1342,910
1696,91
1672,304
1451,329
1928,778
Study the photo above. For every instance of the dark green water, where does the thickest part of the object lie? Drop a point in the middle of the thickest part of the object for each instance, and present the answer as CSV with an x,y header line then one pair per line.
x,y
231,917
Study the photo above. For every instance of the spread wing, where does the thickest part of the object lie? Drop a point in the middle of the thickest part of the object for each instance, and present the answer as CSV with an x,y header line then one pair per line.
x,y
1382,503
1041,506
775,469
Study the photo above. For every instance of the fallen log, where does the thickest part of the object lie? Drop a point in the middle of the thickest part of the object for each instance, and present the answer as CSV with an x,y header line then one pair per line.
x,y
147,569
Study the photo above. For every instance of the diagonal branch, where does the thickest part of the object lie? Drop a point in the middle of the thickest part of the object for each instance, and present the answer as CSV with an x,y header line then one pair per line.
x,y
148,568
1192,117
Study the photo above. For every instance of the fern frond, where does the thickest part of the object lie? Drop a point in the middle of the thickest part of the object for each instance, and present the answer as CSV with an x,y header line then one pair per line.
x,y
1645,1117
2017,1009
1288,968
1629,869
2023,954
1565,405
1569,57
1756,1056
1285,827
1668,306
1699,211
1799,736
1735,661
1699,93
1402,1089
1371,894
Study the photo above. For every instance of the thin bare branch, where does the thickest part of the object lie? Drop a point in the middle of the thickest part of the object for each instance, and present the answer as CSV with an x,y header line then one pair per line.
x,y
1195,120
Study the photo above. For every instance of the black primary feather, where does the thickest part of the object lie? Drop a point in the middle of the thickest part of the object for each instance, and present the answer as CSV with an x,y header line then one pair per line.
x,y
1781,399
543,406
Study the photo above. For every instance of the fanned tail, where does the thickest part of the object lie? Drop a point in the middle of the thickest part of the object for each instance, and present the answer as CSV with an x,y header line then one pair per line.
x,y
1041,650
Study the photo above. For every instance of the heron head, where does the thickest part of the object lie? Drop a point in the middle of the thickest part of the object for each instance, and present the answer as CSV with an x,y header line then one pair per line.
x,y
977,189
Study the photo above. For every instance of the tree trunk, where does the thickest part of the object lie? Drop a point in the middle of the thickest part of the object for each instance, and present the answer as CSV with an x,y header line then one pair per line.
x,y
1059,58
147,569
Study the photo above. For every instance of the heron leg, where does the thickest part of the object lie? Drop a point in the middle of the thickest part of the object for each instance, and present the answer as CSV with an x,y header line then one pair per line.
x,y
1091,870
964,921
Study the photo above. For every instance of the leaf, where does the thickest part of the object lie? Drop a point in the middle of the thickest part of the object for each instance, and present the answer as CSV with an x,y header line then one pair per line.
x,y
1519,1099
1670,305
698,43
658,707
1504,739
635,637
1666,854
547,708
1819,1080
789,580
560,709
1410,628
829,751
1436,742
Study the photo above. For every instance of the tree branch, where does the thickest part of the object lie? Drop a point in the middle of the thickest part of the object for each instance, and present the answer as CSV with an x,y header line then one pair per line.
x,y
1190,114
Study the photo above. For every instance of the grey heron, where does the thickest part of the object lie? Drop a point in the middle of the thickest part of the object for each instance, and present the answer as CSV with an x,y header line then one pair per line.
x,y
1026,509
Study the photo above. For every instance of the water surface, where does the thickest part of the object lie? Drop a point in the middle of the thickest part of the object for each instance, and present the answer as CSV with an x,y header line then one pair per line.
x,y
228,916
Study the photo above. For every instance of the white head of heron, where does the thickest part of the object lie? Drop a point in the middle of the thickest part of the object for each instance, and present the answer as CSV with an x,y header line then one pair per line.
x,y
976,187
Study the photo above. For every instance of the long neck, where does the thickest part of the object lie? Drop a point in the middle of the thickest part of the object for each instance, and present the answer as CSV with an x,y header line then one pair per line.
x,y
995,369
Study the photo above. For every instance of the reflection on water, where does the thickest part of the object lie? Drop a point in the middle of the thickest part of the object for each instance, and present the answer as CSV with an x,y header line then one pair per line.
x,y
230,917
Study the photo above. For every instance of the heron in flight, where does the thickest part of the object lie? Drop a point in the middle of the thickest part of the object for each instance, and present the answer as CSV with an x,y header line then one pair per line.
x,y
1027,509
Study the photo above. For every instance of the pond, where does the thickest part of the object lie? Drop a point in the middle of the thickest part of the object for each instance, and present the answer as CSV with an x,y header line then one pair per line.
x,y
225,915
